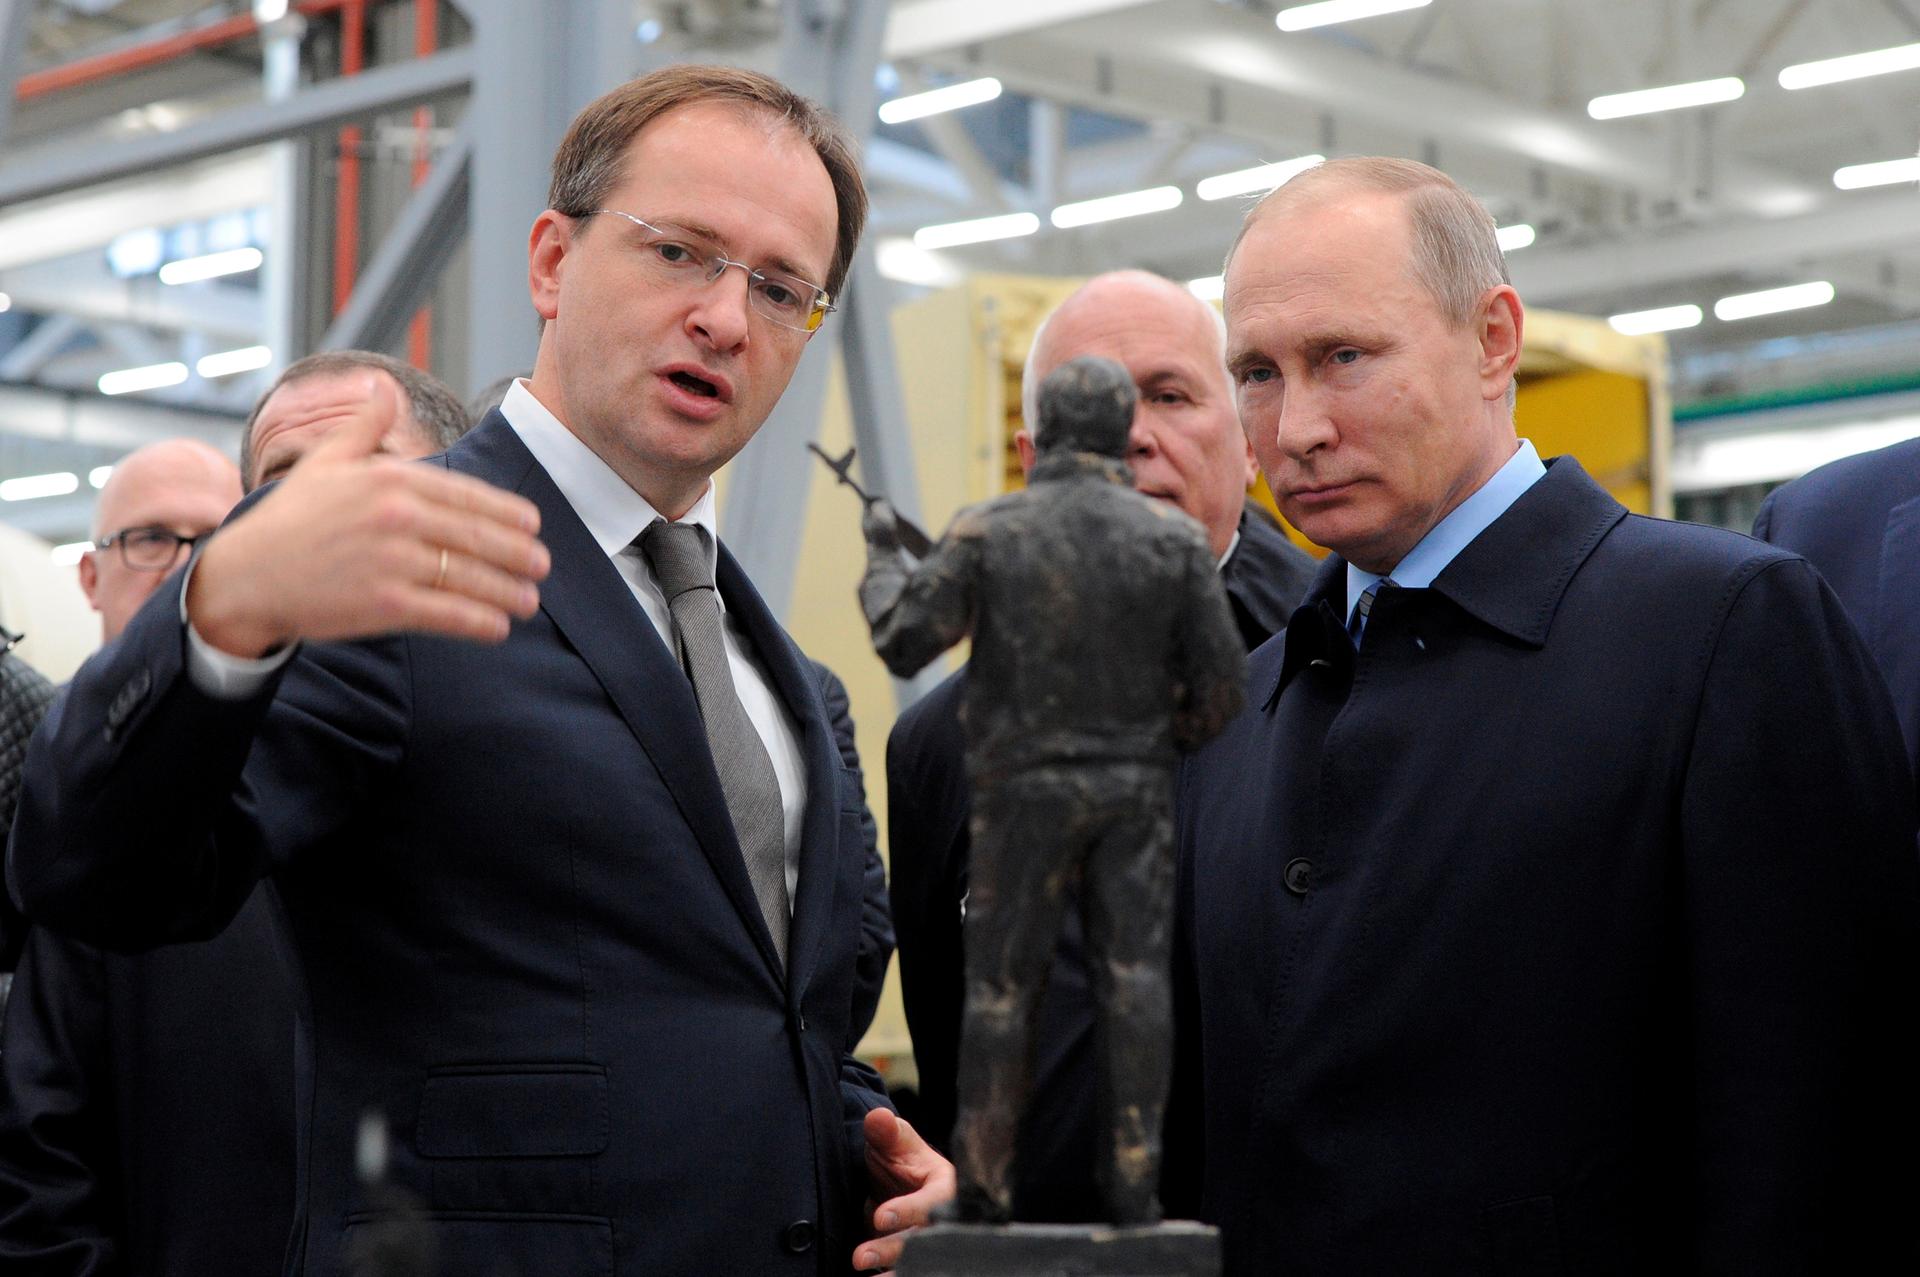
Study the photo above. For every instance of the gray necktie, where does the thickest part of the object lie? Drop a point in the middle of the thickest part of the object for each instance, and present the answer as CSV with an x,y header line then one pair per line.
x,y
678,553
1357,623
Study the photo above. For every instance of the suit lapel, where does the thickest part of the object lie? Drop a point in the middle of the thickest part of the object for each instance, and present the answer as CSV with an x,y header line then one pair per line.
x,y
819,834
1897,617
591,604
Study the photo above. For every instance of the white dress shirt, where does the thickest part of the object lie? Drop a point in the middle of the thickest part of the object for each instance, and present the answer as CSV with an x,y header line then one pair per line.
x,y
614,515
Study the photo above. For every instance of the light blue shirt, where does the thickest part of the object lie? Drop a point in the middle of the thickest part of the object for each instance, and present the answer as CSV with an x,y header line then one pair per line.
x,y
1447,538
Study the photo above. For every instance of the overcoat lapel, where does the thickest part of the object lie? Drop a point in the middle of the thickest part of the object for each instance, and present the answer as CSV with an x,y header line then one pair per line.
x,y
1897,618
591,604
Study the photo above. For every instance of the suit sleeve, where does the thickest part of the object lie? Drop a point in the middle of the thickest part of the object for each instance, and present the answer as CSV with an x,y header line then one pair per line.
x,y
150,809
1801,933
62,1206
24,698
876,917
1763,521
928,802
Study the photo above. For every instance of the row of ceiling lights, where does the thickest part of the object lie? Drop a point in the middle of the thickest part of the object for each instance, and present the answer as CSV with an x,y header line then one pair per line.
x,y
1267,177
224,363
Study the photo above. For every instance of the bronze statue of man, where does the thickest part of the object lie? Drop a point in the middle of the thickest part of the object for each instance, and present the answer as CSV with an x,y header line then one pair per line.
x,y
1103,646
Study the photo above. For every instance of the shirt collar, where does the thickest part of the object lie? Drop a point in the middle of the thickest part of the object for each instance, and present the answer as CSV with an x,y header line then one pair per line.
x,y
1444,541
614,513
1231,547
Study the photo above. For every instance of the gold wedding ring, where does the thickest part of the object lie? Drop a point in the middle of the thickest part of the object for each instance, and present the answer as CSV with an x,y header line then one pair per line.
x,y
440,578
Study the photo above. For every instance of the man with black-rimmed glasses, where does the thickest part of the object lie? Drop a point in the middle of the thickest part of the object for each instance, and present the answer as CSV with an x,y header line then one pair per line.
x,y
157,503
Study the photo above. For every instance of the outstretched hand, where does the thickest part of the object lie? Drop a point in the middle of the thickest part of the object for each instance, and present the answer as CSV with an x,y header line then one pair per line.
x,y
353,544
908,1178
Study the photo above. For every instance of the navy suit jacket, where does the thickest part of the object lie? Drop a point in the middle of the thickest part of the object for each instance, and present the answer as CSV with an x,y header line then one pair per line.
x,y
1570,926
929,802
146,1106
1858,521
146,1100
524,930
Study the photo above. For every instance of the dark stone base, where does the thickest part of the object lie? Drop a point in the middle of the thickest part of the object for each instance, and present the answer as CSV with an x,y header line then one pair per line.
x,y
1062,1250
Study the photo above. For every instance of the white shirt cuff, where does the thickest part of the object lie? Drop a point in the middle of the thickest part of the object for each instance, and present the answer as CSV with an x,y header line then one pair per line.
x,y
223,675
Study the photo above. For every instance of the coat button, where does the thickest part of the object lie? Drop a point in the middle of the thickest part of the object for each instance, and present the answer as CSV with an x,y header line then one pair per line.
x,y
1297,873
797,1237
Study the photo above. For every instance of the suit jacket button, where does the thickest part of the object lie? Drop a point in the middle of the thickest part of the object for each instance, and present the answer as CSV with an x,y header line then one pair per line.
x,y
797,1237
1297,873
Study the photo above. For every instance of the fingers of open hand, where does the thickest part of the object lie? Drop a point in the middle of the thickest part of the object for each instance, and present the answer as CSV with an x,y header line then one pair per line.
x,y
473,541
471,496
478,579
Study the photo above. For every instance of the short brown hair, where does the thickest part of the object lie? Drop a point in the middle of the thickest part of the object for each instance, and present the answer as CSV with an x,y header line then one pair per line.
x,y
1456,250
437,412
592,156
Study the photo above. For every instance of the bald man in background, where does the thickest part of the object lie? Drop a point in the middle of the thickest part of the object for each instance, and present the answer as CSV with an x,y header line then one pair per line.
x,y
146,1102
158,502
1185,448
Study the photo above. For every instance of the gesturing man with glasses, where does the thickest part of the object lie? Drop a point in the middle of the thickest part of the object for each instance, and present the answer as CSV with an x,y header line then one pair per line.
x,y
157,504
576,908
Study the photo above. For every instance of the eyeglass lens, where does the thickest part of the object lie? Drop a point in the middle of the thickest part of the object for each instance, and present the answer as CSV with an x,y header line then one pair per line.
x,y
678,256
150,548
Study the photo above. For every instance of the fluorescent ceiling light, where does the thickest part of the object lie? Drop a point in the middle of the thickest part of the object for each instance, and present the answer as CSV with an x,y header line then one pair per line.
x,y
1513,238
6,303
227,362
1662,320
1304,17
151,377
65,556
28,487
1884,173
189,270
948,98
1670,97
1854,66
1261,179
97,477
1208,289
1107,208
1773,300
977,231
905,262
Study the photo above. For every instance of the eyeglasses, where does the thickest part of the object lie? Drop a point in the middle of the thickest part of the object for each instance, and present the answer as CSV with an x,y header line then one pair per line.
x,y
150,549
677,256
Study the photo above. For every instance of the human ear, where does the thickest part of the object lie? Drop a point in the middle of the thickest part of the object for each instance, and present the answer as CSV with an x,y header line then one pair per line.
x,y
547,246
1501,328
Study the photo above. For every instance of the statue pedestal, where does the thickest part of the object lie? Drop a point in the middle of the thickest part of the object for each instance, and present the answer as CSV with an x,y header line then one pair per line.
x,y
1179,1249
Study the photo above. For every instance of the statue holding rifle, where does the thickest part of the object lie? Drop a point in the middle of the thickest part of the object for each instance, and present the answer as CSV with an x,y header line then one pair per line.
x,y
1102,647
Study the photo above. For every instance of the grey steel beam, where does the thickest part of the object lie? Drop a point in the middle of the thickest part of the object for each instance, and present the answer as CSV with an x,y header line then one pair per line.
x,y
828,51
534,73
407,265
1862,223
39,346
13,42
97,421
55,170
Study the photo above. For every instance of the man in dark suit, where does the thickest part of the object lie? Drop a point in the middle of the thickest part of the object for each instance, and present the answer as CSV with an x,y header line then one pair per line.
x,y
1185,448
579,919
1858,521
146,1100
1549,907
